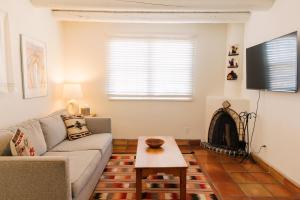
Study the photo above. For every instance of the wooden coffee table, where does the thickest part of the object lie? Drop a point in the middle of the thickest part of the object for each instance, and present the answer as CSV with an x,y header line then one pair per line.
x,y
168,159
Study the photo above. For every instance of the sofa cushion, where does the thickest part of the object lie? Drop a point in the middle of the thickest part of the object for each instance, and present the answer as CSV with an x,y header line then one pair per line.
x,y
20,145
93,142
54,128
33,131
82,166
76,126
5,137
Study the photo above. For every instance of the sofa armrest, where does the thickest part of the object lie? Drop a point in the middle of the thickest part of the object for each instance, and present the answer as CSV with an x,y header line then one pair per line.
x,y
98,125
35,178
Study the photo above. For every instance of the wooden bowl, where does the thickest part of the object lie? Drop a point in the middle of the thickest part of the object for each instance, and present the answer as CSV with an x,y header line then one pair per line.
x,y
154,142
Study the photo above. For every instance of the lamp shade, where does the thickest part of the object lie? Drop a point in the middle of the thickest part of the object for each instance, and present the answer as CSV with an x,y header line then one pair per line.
x,y
72,91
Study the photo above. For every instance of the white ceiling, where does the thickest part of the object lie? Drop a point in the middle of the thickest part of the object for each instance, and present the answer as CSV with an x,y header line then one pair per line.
x,y
154,10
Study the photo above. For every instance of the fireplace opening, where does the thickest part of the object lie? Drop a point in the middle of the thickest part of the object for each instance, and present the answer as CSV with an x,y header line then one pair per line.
x,y
226,132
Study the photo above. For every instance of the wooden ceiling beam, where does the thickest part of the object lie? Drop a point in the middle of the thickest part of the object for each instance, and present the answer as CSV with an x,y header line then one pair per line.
x,y
150,17
157,5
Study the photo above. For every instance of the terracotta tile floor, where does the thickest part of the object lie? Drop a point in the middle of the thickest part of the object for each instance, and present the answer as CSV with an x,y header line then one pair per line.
x,y
230,179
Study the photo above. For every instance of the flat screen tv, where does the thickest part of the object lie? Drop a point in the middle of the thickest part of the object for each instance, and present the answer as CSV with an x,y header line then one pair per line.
x,y
273,65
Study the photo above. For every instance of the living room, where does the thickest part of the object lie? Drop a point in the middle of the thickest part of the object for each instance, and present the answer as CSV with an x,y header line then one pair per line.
x,y
84,47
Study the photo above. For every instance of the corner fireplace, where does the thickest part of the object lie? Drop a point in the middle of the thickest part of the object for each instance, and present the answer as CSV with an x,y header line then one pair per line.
x,y
226,132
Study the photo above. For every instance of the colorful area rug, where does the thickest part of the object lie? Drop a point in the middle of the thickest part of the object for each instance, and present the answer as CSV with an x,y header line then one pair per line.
x,y
118,182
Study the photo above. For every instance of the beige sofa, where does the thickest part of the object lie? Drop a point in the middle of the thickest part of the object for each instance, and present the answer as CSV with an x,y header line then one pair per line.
x,y
63,169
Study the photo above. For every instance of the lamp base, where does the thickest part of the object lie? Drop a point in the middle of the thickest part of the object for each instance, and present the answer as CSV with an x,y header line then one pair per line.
x,y
73,107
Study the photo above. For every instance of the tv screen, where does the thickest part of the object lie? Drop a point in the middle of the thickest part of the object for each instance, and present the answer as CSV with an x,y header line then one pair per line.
x,y
273,65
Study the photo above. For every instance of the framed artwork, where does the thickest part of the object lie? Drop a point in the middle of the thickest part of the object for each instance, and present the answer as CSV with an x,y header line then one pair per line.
x,y
34,68
3,56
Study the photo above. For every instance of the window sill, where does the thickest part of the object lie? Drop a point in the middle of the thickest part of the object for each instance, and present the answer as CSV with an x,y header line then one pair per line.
x,y
152,98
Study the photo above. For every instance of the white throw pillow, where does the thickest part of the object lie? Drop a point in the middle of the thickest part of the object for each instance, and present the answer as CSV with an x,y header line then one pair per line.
x,y
34,133
20,145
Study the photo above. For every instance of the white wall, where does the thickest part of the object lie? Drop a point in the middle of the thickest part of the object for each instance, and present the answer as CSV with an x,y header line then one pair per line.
x,y
232,89
85,62
278,124
235,36
37,23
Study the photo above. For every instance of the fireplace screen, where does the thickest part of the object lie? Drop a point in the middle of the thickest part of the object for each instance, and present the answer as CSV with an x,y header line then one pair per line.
x,y
226,132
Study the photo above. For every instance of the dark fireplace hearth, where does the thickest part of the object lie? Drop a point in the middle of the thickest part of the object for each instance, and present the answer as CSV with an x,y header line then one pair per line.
x,y
226,132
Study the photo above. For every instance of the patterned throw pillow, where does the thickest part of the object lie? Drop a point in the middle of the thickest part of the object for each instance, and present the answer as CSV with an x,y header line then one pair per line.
x,y
20,145
76,126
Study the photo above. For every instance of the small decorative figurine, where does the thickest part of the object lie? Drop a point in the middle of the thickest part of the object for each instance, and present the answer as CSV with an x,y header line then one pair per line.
x,y
232,76
233,51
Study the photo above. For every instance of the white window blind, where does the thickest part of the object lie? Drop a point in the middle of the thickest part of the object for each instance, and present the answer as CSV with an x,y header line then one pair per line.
x,y
150,68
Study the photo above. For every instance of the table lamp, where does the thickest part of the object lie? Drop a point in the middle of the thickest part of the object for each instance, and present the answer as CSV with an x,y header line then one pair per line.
x,y
72,92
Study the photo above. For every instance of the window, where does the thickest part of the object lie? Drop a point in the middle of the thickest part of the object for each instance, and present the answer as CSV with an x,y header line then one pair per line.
x,y
150,68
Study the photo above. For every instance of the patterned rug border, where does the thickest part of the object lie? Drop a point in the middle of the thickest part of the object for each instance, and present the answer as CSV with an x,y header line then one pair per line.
x,y
118,182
